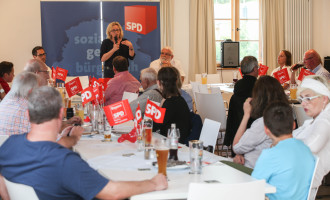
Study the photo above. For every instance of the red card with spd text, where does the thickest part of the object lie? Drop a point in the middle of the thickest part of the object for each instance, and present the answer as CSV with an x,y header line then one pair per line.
x,y
118,113
282,75
73,87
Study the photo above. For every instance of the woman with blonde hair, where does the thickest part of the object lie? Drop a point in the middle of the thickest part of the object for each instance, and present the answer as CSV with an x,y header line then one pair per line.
x,y
115,45
314,95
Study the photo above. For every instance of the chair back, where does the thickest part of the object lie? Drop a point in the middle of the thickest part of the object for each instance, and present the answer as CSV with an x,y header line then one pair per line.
x,y
210,133
3,138
19,191
300,114
215,90
130,96
211,106
317,159
254,190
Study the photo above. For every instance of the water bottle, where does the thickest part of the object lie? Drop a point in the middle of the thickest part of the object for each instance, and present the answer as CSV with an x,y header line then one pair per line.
x,y
173,136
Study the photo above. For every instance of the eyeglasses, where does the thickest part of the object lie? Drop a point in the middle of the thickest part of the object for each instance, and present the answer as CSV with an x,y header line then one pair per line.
x,y
43,54
307,99
115,30
166,54
45,71
308,58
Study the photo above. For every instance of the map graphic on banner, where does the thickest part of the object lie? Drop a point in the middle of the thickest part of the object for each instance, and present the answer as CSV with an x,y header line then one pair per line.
x,y
73,41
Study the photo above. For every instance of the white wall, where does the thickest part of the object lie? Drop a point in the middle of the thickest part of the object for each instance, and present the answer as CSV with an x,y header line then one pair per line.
x,y
321,27
21,30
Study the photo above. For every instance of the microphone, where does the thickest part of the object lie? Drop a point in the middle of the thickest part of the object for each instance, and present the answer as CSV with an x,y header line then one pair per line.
x,y
116,39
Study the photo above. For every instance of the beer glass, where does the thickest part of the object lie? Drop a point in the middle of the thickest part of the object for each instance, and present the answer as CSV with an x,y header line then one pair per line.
x,y
293,91
162,150
196,156
147,131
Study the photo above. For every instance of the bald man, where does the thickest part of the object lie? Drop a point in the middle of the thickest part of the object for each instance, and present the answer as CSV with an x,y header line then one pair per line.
x,y
313,62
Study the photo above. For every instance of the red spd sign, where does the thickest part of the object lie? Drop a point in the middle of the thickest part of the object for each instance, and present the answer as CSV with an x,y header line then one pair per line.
x,y
53,73
140,18
73,87
262,70
304,72
282,75
155,112
138,114
104,82
118,113
87,95
239,69
61,73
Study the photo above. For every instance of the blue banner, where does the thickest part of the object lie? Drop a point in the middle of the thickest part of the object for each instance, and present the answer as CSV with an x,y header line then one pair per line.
x,y
71,35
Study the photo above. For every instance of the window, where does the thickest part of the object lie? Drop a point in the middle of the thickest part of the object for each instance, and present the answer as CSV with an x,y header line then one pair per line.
x,y
237,20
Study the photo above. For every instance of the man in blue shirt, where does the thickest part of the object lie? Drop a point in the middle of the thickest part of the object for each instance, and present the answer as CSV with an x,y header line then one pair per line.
x,y
55,172
289,164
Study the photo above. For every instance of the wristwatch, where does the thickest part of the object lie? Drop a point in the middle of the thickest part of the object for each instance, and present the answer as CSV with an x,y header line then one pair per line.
x,y
2,90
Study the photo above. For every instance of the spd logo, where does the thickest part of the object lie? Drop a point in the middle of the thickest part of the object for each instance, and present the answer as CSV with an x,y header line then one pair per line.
x,y
140,19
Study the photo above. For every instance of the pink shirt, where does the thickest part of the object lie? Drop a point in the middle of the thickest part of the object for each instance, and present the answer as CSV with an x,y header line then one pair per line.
x,y
123,81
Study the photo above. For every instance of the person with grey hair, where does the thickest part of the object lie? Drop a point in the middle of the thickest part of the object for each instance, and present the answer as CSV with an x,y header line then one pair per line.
x,y
14,118
166,59
38,67
314,95
242,91
148,79
40,159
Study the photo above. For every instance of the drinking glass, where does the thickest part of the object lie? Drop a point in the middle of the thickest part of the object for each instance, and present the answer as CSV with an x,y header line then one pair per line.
x,y
196,156
204,78
235,76
293,91
147,131
162,150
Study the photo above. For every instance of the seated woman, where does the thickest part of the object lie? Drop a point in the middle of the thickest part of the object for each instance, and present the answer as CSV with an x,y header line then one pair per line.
x,y
177,110
285,62
6,76
314,96
248,143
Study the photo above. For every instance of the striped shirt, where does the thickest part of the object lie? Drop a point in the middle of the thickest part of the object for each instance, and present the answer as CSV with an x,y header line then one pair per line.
x,y
14,117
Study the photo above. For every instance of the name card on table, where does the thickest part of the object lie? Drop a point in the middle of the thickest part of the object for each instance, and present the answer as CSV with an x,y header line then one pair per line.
x,y
155,112
87,95
73,87
304,72
61,73
282,75
118,113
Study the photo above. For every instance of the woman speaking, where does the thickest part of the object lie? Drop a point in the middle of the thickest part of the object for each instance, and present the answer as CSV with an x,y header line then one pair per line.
x,y
115,45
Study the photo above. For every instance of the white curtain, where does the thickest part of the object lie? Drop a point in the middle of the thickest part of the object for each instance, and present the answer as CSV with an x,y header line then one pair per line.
x,y
201,38
272,31
166,22
298,28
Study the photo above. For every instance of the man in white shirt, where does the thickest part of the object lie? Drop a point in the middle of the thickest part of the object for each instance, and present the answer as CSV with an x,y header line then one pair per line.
x,y
166,60
313,62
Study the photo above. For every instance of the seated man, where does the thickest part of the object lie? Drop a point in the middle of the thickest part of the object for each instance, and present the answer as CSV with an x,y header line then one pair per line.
x,y
54,171
242,90
122,82
149,83
289,164
14,118
166,60
313,62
